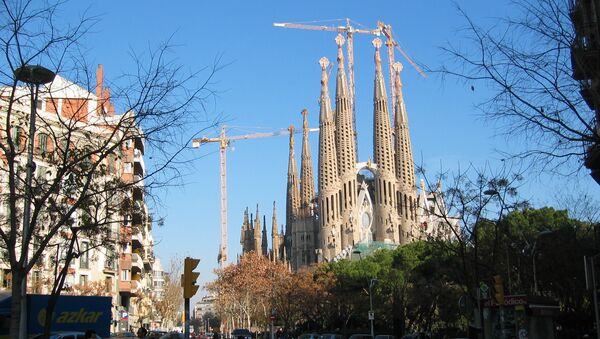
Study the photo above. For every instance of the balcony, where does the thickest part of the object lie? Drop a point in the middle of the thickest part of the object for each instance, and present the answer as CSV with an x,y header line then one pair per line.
x,y
124,286
139,144
137,240
125,261
136,261
138,162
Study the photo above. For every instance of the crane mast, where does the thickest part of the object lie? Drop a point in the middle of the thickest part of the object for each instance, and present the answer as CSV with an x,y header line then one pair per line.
x,y
224,141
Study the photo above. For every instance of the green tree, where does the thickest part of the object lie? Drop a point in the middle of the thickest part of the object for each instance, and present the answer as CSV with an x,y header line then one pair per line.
x,y
557,244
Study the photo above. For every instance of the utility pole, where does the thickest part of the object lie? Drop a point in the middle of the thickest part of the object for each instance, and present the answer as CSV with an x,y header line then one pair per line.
x,y
34,76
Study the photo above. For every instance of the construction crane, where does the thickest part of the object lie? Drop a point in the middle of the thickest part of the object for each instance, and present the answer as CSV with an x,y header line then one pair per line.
x,y
382,28
224,142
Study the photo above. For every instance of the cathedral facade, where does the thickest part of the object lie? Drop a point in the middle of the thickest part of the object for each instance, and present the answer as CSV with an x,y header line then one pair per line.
x,y
356,204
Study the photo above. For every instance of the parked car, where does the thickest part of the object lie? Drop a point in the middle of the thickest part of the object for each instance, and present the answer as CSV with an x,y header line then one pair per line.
x,y
241,333
63,335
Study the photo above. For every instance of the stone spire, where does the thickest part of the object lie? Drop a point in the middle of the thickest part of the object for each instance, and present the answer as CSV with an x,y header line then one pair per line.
x,y
329,217
386,218
244,233
346,151
275,243
293,193
405,169
257,235
307,181
265,241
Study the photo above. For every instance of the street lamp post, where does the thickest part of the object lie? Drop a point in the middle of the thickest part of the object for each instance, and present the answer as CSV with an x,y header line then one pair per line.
x,y
371,314
34,76
535,284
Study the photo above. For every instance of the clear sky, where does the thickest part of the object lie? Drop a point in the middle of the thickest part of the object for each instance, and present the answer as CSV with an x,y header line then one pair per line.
x,y
272,74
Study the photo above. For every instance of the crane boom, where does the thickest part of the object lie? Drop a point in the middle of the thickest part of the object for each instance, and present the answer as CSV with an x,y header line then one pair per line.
x,y
223,141
341,29
350,30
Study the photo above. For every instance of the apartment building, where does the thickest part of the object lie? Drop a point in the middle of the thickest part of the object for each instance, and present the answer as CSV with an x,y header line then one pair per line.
x,y
116,257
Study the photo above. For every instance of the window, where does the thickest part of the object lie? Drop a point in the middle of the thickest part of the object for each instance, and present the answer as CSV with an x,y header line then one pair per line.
x,y
42,146
110,259
127,168
112,164
84,258
108,281
83,280
125,275
18,138
36,282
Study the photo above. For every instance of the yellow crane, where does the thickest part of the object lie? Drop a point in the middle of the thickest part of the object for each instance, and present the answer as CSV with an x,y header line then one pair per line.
x,y
224,141
349,30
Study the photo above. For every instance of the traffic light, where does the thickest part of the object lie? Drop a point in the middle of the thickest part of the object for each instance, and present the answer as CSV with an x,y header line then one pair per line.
x,y
189,277
498,289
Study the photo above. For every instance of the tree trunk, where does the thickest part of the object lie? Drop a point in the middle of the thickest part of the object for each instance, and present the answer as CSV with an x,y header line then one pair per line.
x,y
15,304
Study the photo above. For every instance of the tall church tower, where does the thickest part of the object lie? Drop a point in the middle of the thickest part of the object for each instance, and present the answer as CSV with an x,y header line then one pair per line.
x,y
265,242
329,183
346,153
276,238
405,170
257,234
307,181
292,207
304,226
386,217
246,237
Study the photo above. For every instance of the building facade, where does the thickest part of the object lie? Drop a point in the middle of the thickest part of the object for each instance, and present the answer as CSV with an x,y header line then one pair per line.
x,y
585,62
116,260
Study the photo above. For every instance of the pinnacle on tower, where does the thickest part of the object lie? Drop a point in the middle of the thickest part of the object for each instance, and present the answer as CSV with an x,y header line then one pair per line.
x,y
292,195
275,238
383,154
405,170
257,233
307,188
265,242
346,151
329,217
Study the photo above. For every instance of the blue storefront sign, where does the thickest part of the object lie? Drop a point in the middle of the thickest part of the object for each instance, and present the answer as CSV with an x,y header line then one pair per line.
x,y
72,313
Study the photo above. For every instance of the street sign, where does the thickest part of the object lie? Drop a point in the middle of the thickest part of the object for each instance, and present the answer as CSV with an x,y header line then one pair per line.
x,y
371,315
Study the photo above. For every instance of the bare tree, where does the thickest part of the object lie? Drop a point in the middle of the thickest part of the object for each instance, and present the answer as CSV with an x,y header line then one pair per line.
x,y
525,63
75,184
168,305
470,209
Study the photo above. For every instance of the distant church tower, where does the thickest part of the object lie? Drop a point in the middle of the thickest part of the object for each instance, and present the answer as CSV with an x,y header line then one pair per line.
x,y
346,153
406,196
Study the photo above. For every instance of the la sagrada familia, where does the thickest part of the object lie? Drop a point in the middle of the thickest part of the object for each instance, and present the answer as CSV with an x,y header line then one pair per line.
x,y
368,204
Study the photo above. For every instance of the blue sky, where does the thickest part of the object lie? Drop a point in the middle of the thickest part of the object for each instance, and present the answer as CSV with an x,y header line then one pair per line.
x,y
272,74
